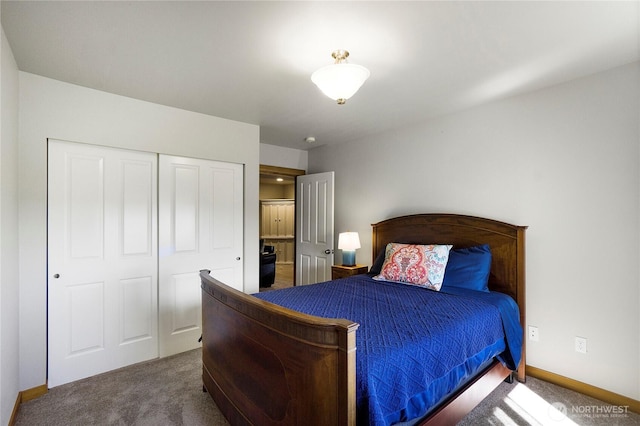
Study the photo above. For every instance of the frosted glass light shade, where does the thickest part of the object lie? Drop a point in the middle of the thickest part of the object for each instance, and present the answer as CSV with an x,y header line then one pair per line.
x,y
340,81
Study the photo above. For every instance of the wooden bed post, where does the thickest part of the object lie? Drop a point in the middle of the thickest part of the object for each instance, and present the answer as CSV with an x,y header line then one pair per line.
x,y
521,299
347,379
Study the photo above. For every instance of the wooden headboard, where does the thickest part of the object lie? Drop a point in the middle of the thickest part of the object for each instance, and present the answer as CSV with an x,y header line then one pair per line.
x,y
507,243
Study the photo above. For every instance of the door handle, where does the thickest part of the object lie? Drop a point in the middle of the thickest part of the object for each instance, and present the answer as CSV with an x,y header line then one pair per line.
x,y
238,258
56,276
328,251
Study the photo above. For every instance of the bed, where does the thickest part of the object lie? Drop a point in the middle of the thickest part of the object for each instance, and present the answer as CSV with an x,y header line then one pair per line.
x,y
264,363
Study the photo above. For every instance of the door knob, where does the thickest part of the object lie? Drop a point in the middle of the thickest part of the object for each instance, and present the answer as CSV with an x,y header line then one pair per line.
x,y
238,258
328,251
56,275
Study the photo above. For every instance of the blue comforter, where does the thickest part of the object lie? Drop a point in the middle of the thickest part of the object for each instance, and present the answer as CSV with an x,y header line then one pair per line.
x,y
414,346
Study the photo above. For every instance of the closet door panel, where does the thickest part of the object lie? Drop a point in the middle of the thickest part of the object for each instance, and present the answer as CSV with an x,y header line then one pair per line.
x,y
184,227
102,260
201,227
138,211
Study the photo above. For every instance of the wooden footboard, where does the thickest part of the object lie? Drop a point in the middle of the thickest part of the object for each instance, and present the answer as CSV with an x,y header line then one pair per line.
x,y
286,367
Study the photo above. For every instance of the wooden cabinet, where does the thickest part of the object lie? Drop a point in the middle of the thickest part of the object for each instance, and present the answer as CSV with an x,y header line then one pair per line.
x,y
277,218
277,225
341,271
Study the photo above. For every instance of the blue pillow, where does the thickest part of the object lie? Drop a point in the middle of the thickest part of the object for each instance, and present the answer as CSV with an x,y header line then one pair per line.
x,y
377,264
468,268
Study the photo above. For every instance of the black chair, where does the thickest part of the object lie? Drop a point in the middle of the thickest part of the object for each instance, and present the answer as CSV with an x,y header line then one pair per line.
x,y
267,265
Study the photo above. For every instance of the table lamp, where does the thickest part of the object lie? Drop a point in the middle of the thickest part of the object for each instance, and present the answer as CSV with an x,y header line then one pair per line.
x,y
348,242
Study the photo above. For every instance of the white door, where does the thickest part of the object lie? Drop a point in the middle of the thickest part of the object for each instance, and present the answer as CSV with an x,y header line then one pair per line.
x,y
201,227
102,260
314,233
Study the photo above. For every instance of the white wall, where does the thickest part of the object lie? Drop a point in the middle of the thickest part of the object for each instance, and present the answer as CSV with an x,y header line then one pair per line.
x,y
272,155
565,161
9,341
52,109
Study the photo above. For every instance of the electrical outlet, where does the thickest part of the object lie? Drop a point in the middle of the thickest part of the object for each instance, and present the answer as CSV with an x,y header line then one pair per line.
x,y
581,345
533,333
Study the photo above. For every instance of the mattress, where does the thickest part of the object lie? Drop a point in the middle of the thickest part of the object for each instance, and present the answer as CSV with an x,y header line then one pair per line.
x,y
414,345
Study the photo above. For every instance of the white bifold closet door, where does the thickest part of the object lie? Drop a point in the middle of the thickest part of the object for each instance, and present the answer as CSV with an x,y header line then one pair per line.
x,y
128,233
201,227
102,260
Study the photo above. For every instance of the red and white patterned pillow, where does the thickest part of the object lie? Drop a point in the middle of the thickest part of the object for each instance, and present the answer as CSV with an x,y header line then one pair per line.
x,y
421,265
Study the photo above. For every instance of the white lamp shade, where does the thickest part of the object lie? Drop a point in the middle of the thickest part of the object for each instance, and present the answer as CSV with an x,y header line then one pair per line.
x,y
340,81
348,241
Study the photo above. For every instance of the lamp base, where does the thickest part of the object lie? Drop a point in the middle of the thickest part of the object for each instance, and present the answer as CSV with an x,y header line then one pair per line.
x,y
348,258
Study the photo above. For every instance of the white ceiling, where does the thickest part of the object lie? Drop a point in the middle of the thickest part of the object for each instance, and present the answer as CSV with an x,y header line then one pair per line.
x,y
252,61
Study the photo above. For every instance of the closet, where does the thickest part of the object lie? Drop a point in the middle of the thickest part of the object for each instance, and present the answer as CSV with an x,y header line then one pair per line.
x,y
128,232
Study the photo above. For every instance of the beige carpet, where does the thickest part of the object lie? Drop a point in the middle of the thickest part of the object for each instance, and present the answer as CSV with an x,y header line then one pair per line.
x,y
541,403
168,391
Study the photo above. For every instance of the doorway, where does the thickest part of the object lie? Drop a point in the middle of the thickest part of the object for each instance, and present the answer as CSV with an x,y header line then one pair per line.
x,y
277,198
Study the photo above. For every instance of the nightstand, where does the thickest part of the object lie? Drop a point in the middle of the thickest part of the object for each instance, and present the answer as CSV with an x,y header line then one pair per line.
x,y
341,271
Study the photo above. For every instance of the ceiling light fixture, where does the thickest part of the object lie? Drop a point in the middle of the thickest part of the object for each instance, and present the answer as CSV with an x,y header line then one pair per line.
x,y
340,80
